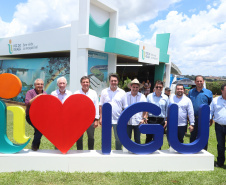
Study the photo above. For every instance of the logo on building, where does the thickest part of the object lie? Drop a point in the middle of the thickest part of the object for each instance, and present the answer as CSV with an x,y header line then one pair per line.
x,y
143,53
10,47
148,54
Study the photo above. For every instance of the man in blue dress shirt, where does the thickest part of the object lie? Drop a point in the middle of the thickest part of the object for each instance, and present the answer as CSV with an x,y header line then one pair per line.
x,y
161,100
218,114
199,95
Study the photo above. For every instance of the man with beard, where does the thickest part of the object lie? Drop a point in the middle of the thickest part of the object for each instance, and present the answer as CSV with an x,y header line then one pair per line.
x,y
185,109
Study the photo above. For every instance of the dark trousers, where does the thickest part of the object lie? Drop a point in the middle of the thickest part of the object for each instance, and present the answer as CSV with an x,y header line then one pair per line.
x,y
90,134
194,133
136,131
37,135
181,133
154,120
220,134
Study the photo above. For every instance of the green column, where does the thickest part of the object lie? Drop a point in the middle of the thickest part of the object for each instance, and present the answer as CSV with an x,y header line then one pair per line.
x,y
159,71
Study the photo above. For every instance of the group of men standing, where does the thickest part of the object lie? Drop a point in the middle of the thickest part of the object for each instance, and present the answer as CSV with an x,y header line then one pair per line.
x,y
187,108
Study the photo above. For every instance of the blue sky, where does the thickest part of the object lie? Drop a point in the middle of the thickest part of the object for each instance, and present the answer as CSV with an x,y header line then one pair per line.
x,y
7,9
197,27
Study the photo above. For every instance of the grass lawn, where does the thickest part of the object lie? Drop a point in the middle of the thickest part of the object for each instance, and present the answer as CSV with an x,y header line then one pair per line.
x,y
218,176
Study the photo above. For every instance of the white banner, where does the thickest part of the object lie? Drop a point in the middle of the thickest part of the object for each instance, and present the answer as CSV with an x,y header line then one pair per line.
x,y
148,54
46,41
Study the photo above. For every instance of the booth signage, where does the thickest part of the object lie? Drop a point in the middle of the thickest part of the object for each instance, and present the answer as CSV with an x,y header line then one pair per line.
x,y
148,54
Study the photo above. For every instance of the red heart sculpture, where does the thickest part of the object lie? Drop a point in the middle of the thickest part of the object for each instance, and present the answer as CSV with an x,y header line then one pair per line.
x,y
62,124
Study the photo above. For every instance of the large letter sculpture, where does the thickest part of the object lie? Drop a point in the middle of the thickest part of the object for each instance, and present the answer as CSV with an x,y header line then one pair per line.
x,y
203,130
10,87
155,129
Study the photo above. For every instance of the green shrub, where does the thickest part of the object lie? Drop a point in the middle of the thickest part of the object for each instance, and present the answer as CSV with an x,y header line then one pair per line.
x,y
215,87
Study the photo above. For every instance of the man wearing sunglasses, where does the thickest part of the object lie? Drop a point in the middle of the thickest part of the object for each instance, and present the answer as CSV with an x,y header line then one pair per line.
x,y
161,100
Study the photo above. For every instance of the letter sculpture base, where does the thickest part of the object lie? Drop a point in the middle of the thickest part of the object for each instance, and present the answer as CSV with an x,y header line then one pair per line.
x,y
95,161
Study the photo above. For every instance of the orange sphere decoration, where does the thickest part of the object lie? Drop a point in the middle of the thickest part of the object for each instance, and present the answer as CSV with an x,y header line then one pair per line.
x,y
10,85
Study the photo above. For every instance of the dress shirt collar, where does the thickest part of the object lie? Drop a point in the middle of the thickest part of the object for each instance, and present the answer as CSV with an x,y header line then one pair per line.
x,y
202,90
156,95
109,89
58,92
84,92
179,97
138,94
221,97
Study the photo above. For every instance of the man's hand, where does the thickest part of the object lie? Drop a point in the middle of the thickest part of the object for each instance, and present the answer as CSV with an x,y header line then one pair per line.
x,y
191,128
165,124
142,122
30,102
95,123
211,122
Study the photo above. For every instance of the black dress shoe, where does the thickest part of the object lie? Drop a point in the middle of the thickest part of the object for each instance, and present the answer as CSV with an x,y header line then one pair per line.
x,y
217,165
34,148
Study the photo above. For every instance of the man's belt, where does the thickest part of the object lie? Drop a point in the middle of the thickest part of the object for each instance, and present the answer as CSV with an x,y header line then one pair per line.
x,y
156,119
220,124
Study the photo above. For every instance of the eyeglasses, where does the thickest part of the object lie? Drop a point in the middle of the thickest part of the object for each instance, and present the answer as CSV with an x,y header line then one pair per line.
x,y
158,87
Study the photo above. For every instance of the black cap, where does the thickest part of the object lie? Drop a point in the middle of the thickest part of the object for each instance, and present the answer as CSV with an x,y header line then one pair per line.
x,y
167,89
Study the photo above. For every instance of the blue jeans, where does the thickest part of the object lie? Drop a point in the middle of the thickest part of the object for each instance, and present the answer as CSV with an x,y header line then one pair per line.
x,y
118,145
220,134
136,132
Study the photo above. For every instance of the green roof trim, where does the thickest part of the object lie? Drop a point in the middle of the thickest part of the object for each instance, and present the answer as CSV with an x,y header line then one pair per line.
x,y
98,30
118,46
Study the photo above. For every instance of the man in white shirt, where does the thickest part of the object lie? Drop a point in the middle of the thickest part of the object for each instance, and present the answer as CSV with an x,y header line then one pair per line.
x,y
85,90
117,98
185,109
62,93
218,114
139,118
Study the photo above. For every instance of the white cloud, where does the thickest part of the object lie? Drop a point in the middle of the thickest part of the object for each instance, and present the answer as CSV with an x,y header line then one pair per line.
x,y
40,15
142,10
197,43
208,7
129,32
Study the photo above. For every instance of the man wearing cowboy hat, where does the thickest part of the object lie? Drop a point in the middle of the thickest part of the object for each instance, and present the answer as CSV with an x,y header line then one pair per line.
x,y
139,118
